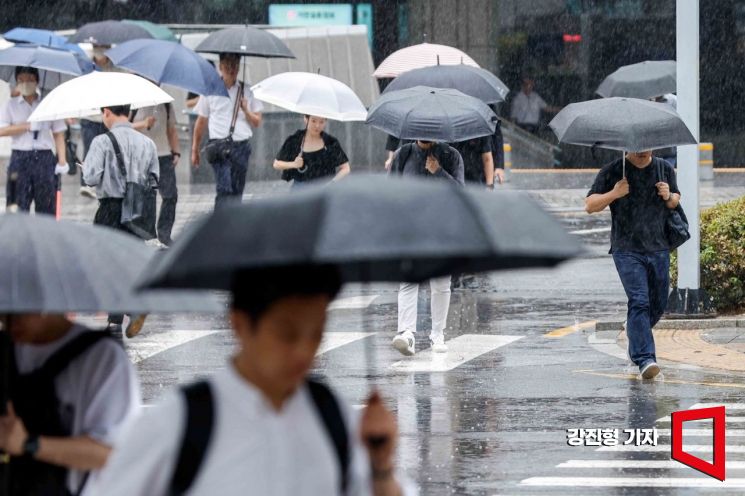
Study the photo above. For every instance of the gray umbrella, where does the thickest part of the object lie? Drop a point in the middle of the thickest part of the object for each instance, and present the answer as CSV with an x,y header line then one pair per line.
x,y
647,79
373,228
108,33
246,41
432,114
58,267
473,81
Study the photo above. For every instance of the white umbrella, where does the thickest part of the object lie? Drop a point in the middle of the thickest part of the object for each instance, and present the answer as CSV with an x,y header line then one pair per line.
x,y
418,56
85,95
311,94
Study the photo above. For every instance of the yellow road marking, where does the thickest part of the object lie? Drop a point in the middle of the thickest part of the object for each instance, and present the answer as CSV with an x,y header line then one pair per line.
x,y
636,377
560,333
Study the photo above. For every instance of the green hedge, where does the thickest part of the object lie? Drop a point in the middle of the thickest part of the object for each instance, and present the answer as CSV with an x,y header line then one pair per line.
x,y
722,256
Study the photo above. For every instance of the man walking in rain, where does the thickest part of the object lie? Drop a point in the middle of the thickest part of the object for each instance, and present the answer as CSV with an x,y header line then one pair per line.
x,y
639,205
101,170
71,391
33,170
527,107
261,426
230,120
439,161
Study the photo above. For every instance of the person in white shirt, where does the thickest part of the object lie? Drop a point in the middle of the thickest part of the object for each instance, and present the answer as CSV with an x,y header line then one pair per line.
x,y
71,392
527,107
260,426
229,121
33,168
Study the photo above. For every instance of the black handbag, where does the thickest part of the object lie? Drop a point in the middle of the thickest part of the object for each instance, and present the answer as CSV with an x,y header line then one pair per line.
x,y
71,150
676,225
134,199
219,150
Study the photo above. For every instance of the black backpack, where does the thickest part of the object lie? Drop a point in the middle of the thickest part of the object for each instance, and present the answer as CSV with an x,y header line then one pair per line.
x,y
444,153
35,400
200,422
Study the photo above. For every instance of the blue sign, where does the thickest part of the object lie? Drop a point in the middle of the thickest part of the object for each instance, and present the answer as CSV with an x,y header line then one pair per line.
x,y
365,16
318,14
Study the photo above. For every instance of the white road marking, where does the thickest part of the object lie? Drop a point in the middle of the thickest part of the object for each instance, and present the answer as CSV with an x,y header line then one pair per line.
x,y
644,464
730,420
148,345
591,231
728,406
633,482
703,432
332,340
460,350
352,302
693,448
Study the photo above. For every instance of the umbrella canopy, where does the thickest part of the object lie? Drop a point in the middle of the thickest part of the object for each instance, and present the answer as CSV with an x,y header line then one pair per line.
x,y
418,56
246,41
109,33
157,31
311,94
473,81
85,95
167,62
373,228
643,80
432,114
55,267
55,65
628,124
42,37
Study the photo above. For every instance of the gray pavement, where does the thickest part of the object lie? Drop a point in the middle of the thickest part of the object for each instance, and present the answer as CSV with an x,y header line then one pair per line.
x,y
525,364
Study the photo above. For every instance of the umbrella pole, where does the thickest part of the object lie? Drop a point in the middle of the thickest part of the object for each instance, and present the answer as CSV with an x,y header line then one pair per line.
x,y
58,198
623,163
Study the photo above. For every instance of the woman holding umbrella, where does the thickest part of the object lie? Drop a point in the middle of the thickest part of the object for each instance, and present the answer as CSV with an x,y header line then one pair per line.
x,y
311,154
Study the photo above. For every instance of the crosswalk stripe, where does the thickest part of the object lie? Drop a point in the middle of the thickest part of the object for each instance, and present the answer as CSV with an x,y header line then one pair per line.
x,y
147,345
728,406
352,302
333,340
694,448
703,432
461,350
729,420
644,464
633,482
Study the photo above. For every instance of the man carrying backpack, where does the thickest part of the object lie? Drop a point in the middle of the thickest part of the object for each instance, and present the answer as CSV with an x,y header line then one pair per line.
x,y
261,426
70,392
103,168
441,162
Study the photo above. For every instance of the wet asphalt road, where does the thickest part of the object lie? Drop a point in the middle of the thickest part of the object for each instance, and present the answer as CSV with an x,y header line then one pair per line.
x,y
490,417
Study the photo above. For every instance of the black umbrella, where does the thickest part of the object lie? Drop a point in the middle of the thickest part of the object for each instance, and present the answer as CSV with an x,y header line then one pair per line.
x,y
432,114
643,80
246,41
109,33
373,228
58,267
473,81
626,124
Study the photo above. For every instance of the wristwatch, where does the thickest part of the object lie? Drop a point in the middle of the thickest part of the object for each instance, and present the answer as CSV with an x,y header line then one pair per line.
x,y
31,445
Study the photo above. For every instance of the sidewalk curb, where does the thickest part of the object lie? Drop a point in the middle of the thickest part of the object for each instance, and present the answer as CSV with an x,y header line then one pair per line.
x,y
680,324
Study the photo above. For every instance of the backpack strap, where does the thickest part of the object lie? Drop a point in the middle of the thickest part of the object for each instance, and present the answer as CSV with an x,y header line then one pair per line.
x,y
70,351
118,153
236,109
330,412
196,436
403,155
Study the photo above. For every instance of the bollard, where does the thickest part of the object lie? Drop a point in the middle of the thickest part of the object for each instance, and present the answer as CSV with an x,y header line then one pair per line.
x,y
507,162
706,161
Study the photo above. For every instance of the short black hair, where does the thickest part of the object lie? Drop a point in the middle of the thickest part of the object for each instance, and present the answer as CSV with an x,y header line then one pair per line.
x,y
255,290
224,56
117,109
27,70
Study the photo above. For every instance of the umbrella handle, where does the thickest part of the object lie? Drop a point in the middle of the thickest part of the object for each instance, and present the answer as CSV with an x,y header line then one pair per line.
x,y
58,198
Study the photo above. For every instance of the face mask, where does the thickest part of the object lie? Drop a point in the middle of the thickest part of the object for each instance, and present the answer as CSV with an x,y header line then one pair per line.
x,y
26,89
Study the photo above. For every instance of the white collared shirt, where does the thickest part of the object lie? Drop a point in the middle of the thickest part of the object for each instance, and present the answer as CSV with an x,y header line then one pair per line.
x,y
253,449
526,109
17,111
219,111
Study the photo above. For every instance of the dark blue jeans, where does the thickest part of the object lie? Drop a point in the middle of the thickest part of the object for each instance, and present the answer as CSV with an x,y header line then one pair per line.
x,y
646,280
35,181
230,174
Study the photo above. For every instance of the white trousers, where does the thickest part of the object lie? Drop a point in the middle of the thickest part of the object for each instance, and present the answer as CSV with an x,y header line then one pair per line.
x,y
408,294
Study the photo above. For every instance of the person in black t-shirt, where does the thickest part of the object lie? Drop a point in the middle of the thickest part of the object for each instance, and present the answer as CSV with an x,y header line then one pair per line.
x,y
311,154
639,204
478,162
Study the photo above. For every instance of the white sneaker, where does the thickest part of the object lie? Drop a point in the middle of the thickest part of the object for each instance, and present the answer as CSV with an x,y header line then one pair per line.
x,y
438,344
650,370
88,191
404,342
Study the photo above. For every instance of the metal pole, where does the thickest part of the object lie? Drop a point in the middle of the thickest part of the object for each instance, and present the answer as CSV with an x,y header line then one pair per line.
x,y
686,297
